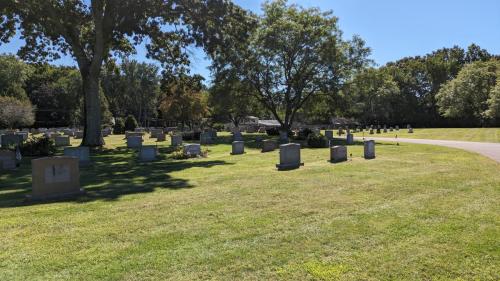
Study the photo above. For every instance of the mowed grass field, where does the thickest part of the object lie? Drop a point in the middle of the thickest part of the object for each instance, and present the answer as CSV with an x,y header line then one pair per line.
x,y
416,212
459,134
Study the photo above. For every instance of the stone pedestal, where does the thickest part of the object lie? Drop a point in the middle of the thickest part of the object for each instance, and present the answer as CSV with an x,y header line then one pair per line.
x,y
148,153
134,142
192,150
238,148
269,145
369,149
176,140
350,139
62,141
289,157
55,177
82,153
8,160
338,154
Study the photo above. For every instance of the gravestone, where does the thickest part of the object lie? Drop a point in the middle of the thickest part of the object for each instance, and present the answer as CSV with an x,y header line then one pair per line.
x,y
134,142
161,137
192,150
139,130
205,138
81,152
148,153
289,157
369,149
7,160
378,130
176,140
329,134
213,134
156,132
54,177
269,145
340,132
11,140
397,128
134,134
68,132
350,139
79,135
238,147
237,136
410,130
62,141
371,131
338,154
23,134
391,129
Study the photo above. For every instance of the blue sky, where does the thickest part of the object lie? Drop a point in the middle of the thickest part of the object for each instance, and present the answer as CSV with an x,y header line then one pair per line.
x,y
392,28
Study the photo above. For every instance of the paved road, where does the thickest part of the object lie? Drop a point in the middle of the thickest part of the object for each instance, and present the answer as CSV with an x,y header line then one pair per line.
x,y
491,150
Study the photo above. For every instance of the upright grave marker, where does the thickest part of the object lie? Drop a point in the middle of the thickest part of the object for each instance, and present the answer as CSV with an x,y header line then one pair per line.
x,y
238,147
289,157
338,154
369,149
54,177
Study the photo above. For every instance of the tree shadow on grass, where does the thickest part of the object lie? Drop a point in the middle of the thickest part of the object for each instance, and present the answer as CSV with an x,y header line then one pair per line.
x,y
112,174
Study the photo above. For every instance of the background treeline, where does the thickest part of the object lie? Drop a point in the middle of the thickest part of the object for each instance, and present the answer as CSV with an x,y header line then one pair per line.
x,y
450,87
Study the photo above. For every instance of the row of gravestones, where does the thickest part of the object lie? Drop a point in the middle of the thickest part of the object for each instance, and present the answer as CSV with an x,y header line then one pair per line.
x,y
56,177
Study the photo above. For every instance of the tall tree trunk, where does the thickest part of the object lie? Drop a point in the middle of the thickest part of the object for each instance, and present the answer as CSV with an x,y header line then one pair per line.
x,y
92,135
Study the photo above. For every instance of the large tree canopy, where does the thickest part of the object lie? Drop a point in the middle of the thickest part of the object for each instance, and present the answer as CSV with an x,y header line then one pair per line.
x,y
293,54
92,31
473,94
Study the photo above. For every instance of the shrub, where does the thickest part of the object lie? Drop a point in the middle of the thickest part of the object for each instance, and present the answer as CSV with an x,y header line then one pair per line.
x,y
119,127
317,141
273,132
131,123
38,146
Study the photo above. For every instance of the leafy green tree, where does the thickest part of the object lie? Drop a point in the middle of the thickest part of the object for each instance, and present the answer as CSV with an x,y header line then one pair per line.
x,y
13,75
93,31
119,127
132,88
230,99
472,95
294,54
183,99
15,113
130,123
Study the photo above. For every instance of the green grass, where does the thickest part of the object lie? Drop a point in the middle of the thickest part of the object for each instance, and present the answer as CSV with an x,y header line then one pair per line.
x,y
416,212
460,134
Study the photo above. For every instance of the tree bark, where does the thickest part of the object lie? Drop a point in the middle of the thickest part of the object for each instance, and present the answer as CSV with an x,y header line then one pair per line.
x,y
92,133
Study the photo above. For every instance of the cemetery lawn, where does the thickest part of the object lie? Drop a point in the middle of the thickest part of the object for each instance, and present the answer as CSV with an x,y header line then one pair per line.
x,y
458,134
416,212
